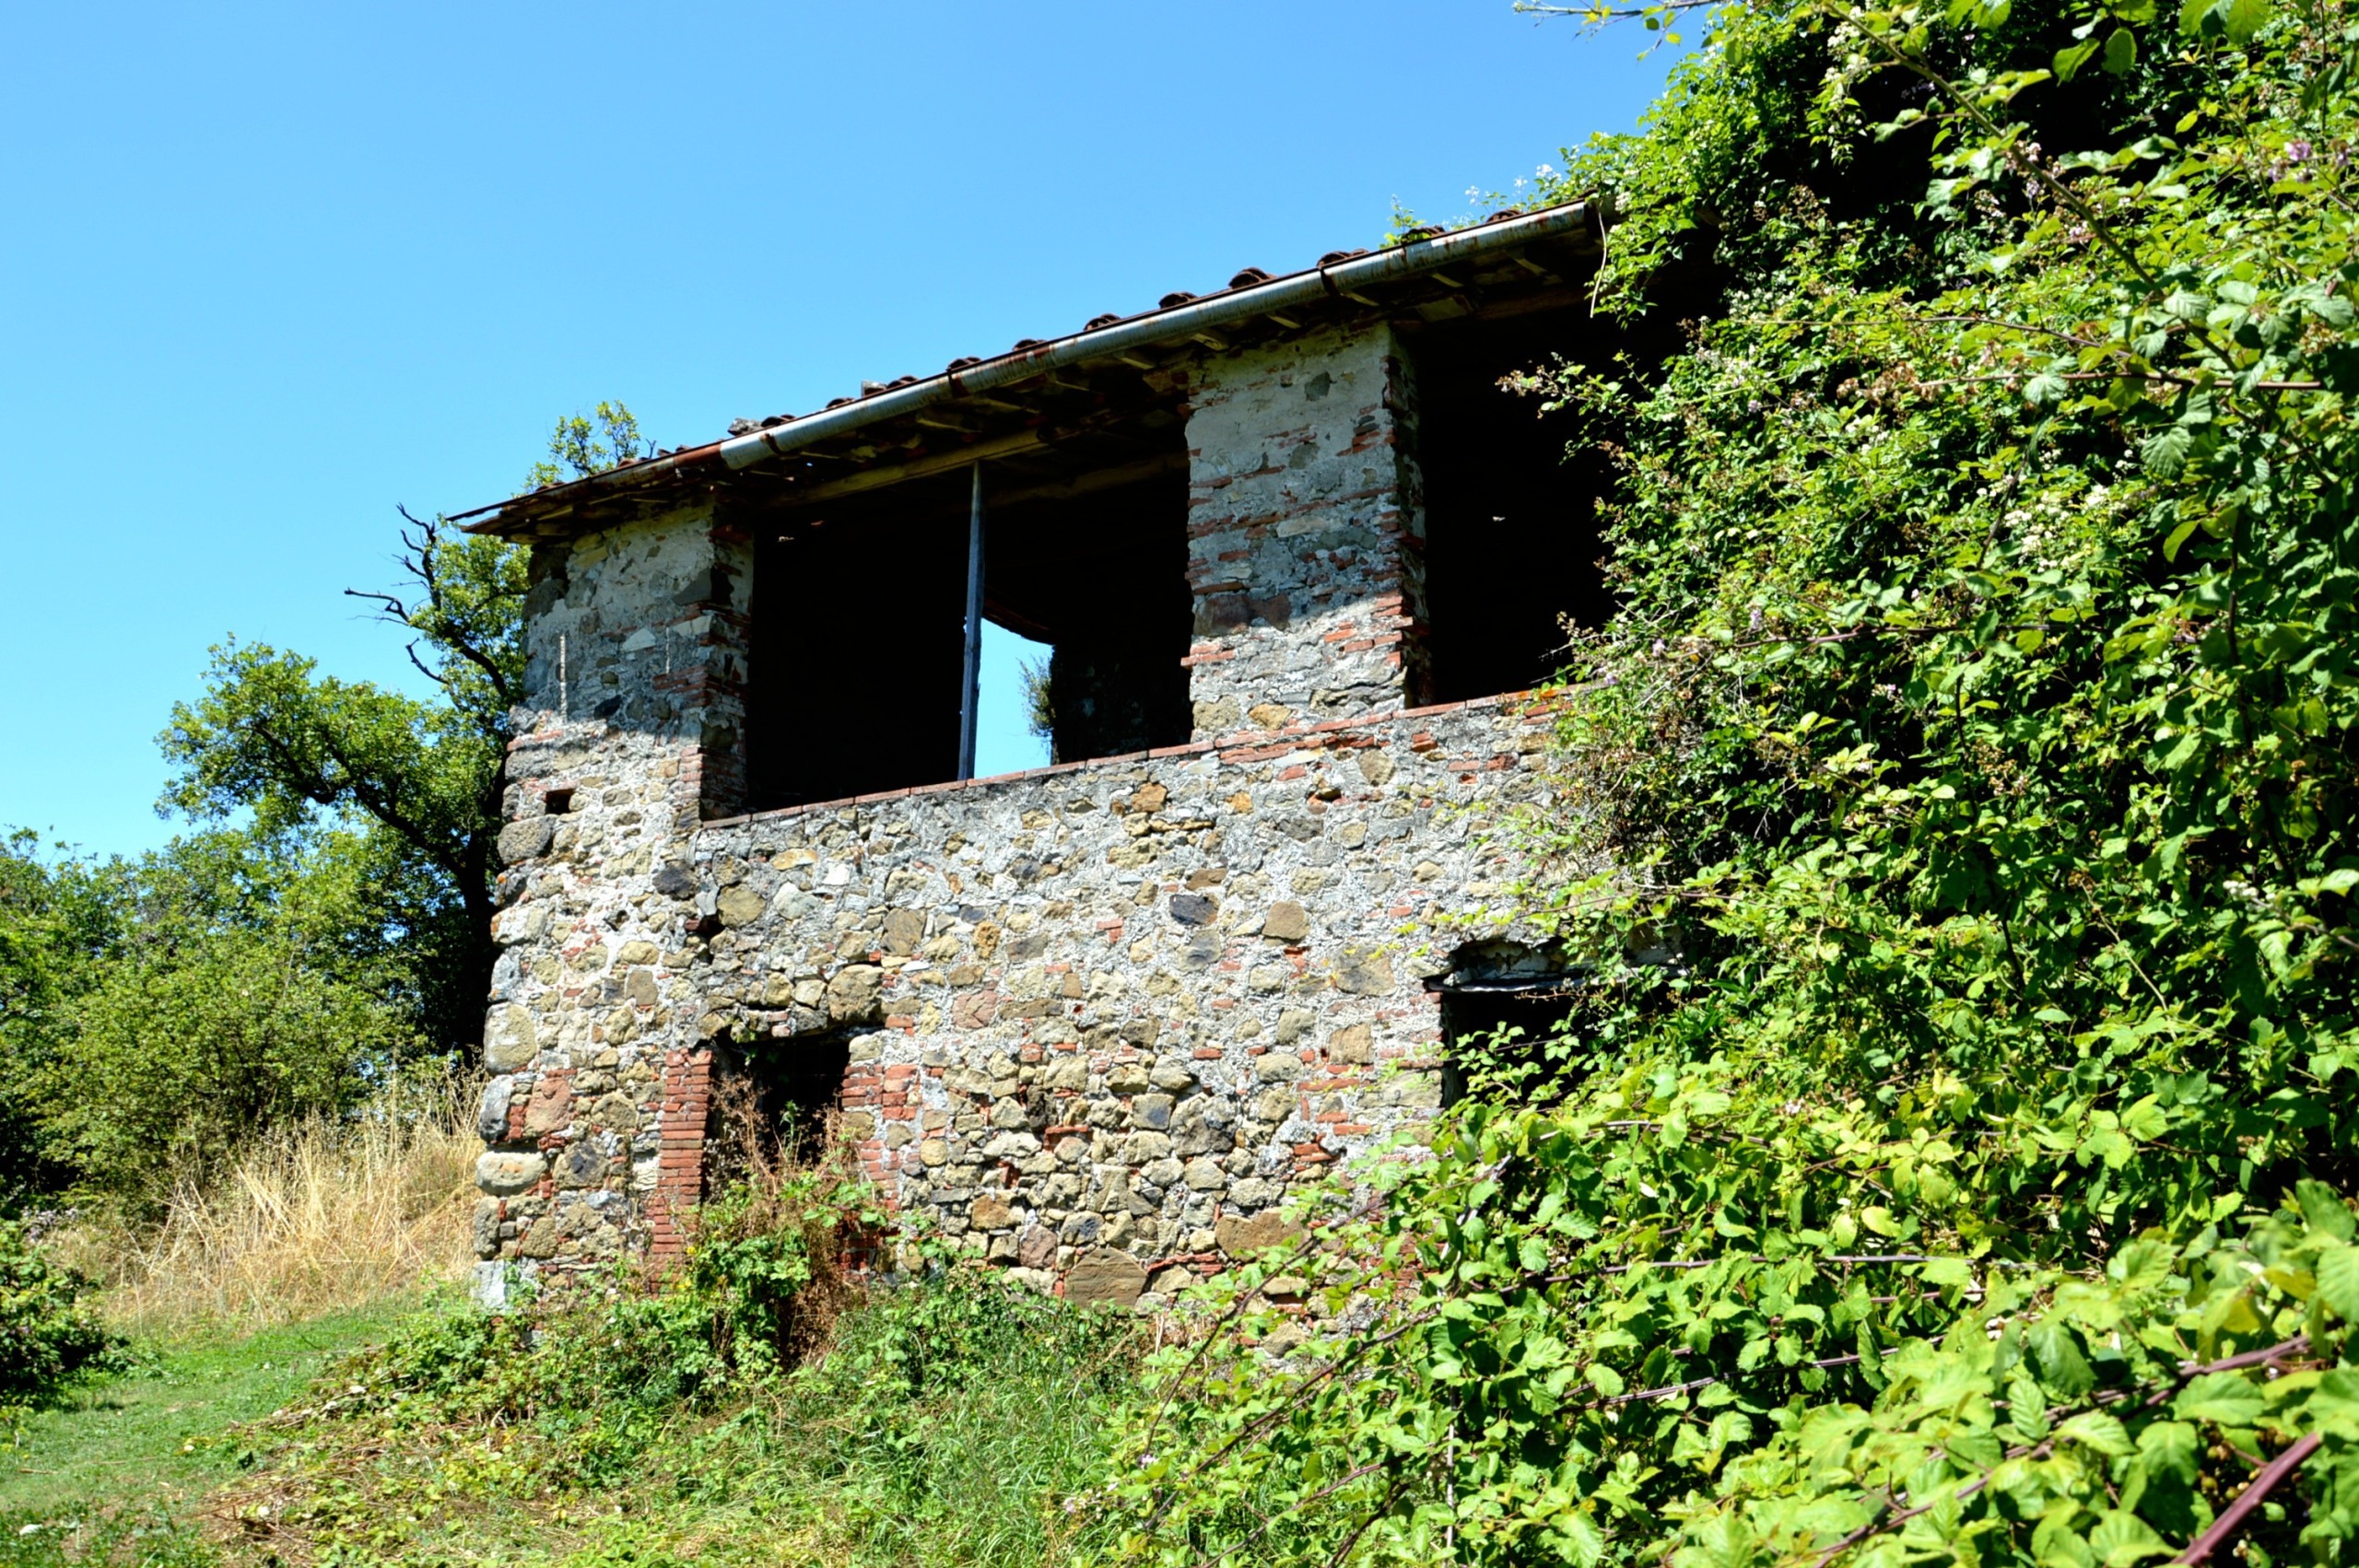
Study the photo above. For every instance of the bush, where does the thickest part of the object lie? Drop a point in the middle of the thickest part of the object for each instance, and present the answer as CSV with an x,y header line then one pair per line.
x,y
49,1334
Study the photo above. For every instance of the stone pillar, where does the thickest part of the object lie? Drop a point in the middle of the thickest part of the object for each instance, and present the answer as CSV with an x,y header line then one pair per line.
x,y
630,736
1305,533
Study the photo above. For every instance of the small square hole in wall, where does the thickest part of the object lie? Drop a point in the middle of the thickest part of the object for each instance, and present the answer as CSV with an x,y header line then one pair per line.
x,y
556,802
1502,1005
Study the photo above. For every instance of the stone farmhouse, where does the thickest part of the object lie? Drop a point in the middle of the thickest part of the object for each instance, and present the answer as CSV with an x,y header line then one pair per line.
x,y
1290,544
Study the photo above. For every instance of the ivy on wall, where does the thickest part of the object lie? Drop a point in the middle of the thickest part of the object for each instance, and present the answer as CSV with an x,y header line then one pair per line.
x,y
1973,1179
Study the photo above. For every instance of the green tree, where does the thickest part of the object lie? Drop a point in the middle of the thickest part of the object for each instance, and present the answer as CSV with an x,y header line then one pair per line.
x,y
274,736
239,981
582,445
53,918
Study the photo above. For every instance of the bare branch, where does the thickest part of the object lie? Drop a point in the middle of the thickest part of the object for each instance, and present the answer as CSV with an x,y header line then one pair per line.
x,y
2233,1518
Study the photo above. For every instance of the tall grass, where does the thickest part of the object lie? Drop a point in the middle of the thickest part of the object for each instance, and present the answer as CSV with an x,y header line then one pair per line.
x,y
321,1216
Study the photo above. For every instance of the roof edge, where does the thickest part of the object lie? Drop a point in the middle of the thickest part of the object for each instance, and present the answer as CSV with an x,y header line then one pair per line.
x,y
1148,329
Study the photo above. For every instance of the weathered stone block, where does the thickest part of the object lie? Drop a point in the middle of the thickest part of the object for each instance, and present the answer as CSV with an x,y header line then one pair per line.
x,y
501,1173
904,930
510,1040
582,1164
524,840
739,906
1365,972
1243,1237
1105,1276
1287,922
551,1105
491,1110
853,993
1194,908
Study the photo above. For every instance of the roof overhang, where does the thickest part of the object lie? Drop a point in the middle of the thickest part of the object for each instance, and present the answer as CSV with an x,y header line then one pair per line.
x,y
1076,389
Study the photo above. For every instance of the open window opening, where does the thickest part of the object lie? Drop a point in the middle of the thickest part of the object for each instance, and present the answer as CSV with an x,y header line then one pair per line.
x,y
1502,1005
1512,540
1016,732
859,615
1101,578
773,1103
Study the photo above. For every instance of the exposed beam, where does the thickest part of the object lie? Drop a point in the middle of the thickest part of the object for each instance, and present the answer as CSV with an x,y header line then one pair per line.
x,y
996,611
1093,480
915,468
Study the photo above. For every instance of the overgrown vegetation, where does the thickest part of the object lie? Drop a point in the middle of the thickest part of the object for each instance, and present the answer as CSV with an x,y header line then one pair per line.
x,y
1973,1183
305,1221
947,1420
50,1334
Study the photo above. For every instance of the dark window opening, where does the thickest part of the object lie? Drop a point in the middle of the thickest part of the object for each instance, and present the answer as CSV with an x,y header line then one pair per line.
x,y
1512,539
859,611
858,642
1493,987
1103,580
772,1103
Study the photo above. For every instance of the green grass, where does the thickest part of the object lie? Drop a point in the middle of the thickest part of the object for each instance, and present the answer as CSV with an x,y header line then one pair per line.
x,y
950,1425
119,1467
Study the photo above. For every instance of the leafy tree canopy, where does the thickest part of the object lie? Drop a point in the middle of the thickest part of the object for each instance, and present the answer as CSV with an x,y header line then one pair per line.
x,y
424,776
1973,1184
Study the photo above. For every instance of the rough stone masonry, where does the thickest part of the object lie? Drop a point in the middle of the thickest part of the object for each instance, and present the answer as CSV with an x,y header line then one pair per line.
x,y
1097,1021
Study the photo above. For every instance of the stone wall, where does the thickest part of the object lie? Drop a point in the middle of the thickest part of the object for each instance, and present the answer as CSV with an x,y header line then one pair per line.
x,y
1102,1016
1098,1020
636,662
1305,531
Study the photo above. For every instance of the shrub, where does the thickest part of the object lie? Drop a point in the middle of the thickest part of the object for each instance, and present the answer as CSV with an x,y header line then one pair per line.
x,y
49,1334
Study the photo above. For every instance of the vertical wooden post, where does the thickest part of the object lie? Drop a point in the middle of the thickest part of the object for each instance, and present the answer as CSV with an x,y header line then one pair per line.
x,y
971,697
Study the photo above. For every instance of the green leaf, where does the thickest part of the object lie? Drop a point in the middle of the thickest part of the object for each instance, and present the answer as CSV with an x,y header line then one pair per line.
x,y
2121,52
2069,61
2244,19
2122,1539
2323,1209
2094,1428
2224,1398
2337,1277
2062,1368
2169,1448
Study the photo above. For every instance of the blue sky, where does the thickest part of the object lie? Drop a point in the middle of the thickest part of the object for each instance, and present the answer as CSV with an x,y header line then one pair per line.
x,y
269,270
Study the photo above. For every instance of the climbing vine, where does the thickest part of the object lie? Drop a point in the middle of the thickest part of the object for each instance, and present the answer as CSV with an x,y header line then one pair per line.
x,y
1952,1157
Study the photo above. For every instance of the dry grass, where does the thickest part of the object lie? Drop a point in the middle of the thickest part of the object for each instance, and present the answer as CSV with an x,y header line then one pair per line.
x,y
325,1216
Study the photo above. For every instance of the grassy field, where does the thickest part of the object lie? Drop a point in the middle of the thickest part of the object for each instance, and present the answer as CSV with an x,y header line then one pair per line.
x,y
122,1467
310,1386
952,1423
